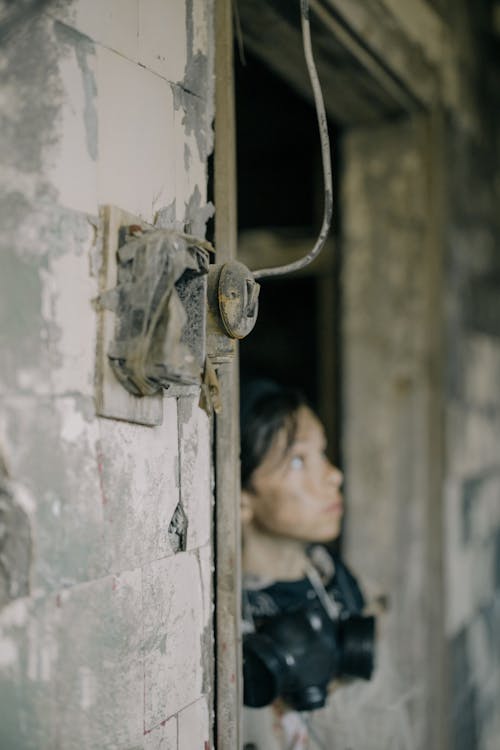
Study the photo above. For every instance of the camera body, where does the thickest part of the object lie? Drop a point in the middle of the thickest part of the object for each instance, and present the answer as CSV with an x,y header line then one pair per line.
x,y
295,655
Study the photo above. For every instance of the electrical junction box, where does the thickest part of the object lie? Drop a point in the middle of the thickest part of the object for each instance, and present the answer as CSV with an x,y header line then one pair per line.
x,y
152,316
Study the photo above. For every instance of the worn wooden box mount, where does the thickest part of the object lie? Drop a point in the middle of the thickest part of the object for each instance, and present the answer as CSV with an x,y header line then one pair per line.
x,y
112,399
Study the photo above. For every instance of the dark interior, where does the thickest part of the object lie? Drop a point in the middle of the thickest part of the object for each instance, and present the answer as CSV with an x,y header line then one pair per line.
x,y
278,159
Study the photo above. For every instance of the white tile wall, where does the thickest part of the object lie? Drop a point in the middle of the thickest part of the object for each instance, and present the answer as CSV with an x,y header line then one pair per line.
x,y
112,23
100,662
194,728
162,37
137,151
139,475
196,492
205,563
150,32
50,448
190,169
68,291
71,162
163,737
123,643
173,626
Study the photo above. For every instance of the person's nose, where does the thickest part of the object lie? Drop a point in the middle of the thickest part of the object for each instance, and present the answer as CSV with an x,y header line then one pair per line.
x,y
334,475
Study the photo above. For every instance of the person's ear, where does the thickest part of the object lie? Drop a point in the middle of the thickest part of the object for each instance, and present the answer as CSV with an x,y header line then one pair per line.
x,y
246,506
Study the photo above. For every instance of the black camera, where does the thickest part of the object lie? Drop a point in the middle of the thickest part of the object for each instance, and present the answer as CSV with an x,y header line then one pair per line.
x,y
295,655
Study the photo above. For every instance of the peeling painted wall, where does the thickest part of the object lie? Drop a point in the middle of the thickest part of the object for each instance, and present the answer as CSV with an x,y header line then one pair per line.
x,y
105,526
386,429
472,406
414,411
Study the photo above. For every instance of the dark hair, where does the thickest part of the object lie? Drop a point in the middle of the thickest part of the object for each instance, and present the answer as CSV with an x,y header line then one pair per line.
x,y
265,409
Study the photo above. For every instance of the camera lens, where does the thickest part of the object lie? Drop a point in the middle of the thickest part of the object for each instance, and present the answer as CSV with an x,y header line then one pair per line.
x,y
357,646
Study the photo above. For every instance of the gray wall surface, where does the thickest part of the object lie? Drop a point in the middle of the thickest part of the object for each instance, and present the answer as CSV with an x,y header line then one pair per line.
x,y
472,413
387,424
422,405
105,620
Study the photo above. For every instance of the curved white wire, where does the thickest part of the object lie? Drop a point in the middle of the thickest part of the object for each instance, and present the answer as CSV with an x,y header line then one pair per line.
x,y
325,156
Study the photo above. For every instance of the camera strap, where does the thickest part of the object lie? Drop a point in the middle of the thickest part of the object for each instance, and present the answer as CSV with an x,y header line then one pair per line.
x,y
331,607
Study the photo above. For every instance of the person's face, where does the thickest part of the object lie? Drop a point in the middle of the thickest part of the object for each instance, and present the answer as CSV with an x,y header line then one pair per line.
x,y
296,494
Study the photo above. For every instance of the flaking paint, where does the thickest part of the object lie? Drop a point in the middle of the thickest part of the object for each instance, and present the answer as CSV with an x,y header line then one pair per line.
x,y
98,495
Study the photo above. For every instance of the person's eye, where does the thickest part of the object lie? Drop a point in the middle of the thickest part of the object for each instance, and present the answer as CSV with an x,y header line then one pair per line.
x,y
296,462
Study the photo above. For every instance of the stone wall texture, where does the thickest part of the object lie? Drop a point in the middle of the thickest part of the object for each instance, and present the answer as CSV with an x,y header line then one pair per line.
x,y
386,427
472,400
105,620
421,295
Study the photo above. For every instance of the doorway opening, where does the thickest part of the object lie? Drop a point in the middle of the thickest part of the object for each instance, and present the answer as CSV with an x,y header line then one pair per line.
x,y
280,205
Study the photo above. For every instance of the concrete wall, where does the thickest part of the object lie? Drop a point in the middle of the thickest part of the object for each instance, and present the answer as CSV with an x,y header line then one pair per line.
x,y
386,427
472,405
105,625
422,405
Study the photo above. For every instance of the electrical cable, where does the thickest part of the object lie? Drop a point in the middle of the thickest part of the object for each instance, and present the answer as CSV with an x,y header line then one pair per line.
x,y
325,156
